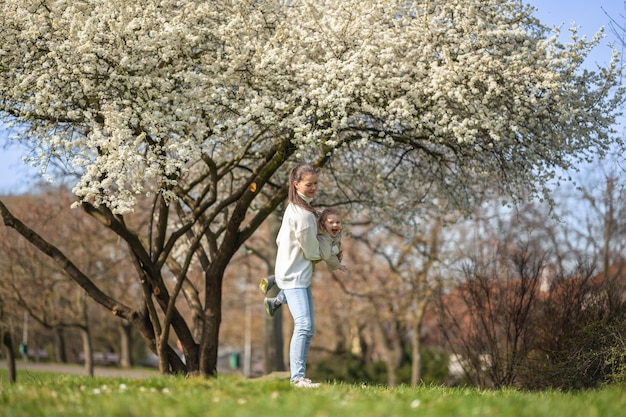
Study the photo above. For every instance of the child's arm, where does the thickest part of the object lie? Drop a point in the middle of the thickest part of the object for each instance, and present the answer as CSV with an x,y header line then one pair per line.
x,y
326,254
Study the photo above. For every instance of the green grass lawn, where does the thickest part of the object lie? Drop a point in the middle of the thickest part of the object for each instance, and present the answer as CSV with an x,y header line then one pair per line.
x,y
49,394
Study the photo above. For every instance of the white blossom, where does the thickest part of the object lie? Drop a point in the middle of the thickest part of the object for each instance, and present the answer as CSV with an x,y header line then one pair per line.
x,y
131,94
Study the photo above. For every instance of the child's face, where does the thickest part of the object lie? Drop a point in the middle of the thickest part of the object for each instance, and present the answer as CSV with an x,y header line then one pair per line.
x,y
332,224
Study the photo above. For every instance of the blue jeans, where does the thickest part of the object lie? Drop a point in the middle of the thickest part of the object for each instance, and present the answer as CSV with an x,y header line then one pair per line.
x,y
300,302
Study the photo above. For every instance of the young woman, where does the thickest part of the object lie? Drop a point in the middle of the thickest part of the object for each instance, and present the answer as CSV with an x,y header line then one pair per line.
x,y
298,249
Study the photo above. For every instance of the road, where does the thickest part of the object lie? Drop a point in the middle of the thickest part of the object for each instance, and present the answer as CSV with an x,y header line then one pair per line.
x,y
76,369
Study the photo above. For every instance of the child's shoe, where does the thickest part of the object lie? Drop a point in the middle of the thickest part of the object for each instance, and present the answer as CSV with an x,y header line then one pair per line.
x,y
266,284
271,306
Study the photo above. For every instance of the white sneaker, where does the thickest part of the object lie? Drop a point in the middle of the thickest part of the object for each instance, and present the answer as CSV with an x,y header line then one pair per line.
x,y
305,383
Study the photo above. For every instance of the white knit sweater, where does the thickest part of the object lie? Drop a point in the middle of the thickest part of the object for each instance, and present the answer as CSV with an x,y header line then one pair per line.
x,y
298,248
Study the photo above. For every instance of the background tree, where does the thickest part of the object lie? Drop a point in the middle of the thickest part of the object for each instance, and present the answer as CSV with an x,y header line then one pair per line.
x,y
541,297
489,320
205,105
617,26
584,307
7,343
42,289
263,245
392,273
604,232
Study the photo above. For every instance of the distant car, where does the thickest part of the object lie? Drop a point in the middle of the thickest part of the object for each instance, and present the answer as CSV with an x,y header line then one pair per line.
x,y
38,355
150,361
102,358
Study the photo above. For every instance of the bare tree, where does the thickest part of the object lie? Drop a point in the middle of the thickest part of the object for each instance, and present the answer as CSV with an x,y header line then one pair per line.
x,y
617,26
582,337
602,229
40,287
263,245
542,292
7,342
393,275
488,321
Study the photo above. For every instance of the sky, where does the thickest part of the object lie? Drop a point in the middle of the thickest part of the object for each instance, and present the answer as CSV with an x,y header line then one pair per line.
x,y
589,15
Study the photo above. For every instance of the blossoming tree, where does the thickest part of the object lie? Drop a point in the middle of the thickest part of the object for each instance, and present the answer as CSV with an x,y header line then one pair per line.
x,y
206,104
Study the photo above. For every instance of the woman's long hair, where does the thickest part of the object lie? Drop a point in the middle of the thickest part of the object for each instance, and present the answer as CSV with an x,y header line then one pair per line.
x,y
296,174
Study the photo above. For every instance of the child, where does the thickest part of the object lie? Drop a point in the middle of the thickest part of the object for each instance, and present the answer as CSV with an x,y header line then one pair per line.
x,y
329,238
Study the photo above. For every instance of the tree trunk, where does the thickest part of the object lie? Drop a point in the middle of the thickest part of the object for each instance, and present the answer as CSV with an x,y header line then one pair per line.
x,y
88,350
212,321
209,343
392,378
8,349
416,361
125,344
273,334
273,343
391,349
416,344
59,341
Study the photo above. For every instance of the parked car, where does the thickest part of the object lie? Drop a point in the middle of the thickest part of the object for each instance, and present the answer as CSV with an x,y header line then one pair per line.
x,y
102,358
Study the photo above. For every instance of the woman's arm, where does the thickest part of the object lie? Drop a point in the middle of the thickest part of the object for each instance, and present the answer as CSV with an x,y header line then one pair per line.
x,y
307,237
